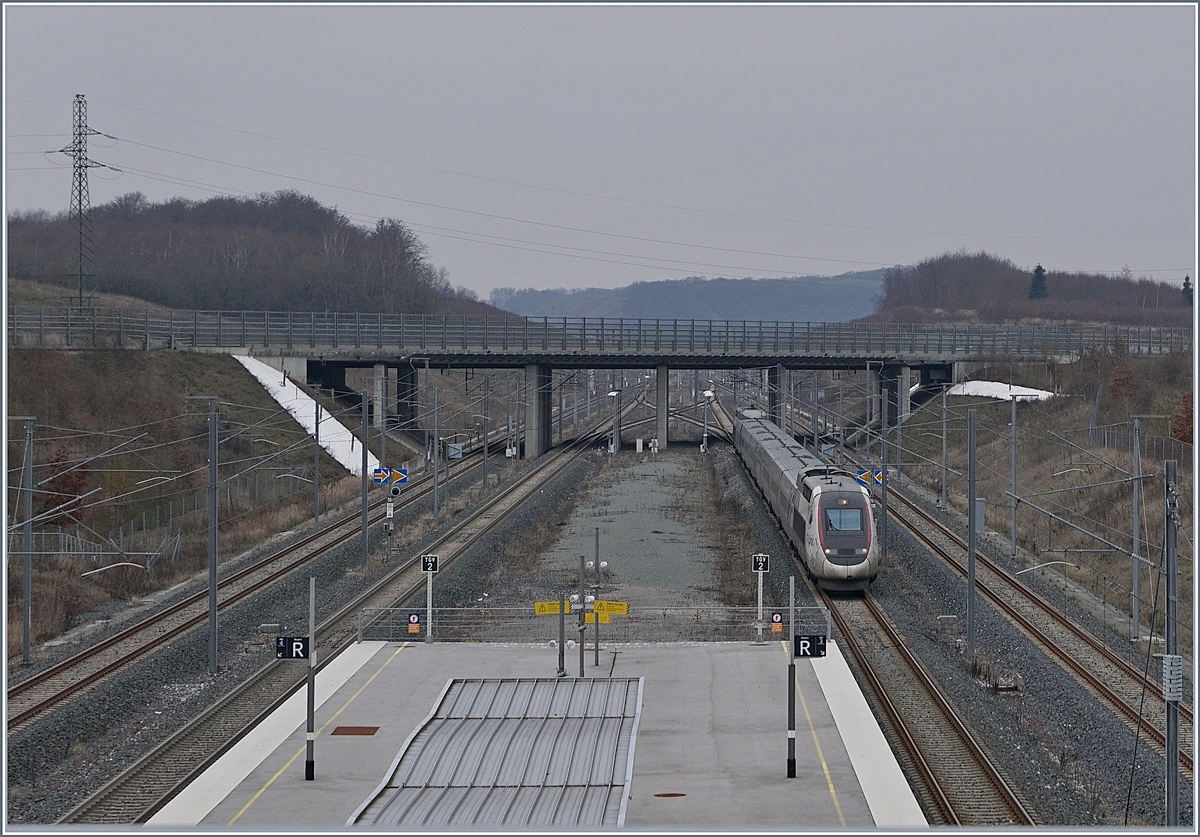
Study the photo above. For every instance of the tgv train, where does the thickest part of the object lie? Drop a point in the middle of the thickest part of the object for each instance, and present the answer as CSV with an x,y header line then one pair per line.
x,y
823,509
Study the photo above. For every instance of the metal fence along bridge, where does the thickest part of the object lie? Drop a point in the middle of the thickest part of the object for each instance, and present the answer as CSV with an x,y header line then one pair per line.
x,y
313,347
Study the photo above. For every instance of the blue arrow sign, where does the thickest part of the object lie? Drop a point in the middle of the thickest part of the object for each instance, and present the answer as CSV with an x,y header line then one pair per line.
x,y
868,476
399,476
379,476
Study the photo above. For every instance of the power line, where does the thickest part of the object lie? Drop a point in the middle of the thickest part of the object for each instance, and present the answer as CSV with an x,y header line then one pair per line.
x,y
680,207
515,243
498,217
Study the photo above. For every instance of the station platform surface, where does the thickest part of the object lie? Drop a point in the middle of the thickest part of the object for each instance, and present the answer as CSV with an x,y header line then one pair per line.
x,y
710,753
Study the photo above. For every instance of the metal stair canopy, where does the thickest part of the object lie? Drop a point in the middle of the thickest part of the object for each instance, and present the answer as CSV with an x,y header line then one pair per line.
x,y
514,752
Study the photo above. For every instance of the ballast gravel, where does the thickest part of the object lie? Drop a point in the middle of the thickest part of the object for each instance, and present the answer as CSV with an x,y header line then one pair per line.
x,y
1073,761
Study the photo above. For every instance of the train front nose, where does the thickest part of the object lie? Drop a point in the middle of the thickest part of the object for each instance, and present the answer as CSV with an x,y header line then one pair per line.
x,y
845,530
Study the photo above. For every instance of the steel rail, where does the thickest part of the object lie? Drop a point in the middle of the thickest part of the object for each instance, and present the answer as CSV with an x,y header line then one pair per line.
x,y
1073,663
894,716
927,763
338,630
1069,660
351,526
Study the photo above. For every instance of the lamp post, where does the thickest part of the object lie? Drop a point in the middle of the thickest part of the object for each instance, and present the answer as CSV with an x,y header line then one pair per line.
x,y
598,566
616,442
708,397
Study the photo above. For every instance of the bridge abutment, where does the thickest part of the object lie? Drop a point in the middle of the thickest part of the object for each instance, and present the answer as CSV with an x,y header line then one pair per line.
x,y
327,375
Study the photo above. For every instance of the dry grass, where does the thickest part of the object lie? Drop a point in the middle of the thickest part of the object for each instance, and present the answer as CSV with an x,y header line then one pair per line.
x,y
726,526
1047,464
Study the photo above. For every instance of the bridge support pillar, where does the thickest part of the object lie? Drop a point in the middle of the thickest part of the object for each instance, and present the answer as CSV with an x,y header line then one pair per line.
x,y
379,399
897,383
775,394
538,383
406,404
662,380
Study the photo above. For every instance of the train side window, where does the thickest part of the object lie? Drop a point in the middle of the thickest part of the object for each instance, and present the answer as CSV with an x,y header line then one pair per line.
x,y
807,492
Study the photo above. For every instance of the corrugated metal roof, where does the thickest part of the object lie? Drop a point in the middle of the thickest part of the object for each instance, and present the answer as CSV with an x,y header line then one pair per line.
x,y
515,752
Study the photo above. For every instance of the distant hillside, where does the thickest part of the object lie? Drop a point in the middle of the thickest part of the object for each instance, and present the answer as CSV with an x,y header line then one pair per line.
x,y
804,298
980,287
282,251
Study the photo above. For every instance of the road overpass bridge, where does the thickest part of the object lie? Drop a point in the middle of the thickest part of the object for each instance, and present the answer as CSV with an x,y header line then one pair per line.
x,y
314,347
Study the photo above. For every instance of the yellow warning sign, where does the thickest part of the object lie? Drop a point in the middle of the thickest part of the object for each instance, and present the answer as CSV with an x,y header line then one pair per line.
x,y
619,608
548,608
590,618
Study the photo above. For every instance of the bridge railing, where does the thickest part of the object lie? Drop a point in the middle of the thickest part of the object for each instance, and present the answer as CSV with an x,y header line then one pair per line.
x,y
64,327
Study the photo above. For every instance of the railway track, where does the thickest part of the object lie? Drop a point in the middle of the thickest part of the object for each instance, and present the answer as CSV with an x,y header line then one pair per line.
x,y
135,795
32,697
1112,678
960,783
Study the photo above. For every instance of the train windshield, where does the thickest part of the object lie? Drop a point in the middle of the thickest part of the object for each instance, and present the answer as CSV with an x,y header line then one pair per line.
x,y
842,519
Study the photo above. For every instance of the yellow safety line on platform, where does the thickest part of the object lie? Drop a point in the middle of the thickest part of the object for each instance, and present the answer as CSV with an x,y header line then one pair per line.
x,y
820,753
300,752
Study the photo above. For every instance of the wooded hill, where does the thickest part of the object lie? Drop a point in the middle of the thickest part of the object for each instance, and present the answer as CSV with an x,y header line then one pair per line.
x,y
981,287
800,298
280,251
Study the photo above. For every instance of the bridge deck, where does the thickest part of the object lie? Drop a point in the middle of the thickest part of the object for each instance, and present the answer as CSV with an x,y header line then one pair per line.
x,y
508,341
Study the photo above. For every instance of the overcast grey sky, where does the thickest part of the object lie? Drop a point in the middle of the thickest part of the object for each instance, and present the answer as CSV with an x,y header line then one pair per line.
x,y
571,146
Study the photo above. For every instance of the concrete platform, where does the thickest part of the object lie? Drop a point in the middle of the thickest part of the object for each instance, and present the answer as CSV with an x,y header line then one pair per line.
x,y
711,748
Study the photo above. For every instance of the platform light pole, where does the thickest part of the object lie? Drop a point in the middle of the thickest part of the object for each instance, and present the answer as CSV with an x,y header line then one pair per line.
x,y
708,397
311,733
615,394
582,610
791,755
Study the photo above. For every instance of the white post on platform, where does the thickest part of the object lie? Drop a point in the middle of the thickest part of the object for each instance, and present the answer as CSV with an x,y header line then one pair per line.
x,y
310,760
791,746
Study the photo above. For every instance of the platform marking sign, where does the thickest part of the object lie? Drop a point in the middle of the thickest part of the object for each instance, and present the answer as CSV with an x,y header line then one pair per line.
x,y
429,563
291,647
809,646
761,563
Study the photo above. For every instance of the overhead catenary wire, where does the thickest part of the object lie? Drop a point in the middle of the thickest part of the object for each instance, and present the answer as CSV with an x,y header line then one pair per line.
x,y
654,204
